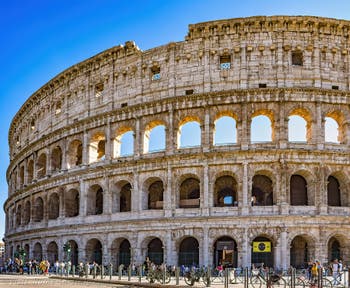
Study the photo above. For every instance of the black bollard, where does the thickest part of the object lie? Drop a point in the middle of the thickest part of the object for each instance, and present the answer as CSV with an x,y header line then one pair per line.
x,y
110,271
86,270
102,271
129,273
120,271
177,275
208,275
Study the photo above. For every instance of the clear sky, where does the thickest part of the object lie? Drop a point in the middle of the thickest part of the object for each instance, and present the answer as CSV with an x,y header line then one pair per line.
x,y
41,38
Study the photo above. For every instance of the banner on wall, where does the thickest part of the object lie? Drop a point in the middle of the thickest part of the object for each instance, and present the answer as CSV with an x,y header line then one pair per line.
x,y
261,246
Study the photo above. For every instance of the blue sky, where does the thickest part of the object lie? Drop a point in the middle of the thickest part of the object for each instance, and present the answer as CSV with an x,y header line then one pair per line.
x,y
41,38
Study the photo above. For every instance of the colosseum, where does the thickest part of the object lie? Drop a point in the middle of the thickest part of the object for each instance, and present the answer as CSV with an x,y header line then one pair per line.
x,y
88,168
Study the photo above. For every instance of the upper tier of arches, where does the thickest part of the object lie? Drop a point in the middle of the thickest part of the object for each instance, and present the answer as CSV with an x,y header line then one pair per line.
x,y
247,57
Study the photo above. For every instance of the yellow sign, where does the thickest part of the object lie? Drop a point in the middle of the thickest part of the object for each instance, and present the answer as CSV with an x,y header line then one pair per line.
x,y
261,246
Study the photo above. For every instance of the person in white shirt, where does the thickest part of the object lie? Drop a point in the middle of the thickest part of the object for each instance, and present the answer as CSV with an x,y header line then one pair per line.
x,y
335,271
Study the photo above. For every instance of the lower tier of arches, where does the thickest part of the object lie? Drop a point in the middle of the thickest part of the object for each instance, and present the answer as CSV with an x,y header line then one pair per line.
x,y
202,242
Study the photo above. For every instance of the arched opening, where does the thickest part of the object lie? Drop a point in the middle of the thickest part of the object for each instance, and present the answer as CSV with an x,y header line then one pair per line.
x,y
125,198
72,203
225,131
261,129
225,252
52,252
26,216
298,191
155,195
189,252
331,133
41,166
30,171
190,193
334,249
38,210
225,191
299,253
74,254
94,251
154,138
333,192
56,159
262,191
21,176
38,252
95,200
97,147
297,129
19,215
155,251
124,253
75,154
54,206
125,144
189,135
262,252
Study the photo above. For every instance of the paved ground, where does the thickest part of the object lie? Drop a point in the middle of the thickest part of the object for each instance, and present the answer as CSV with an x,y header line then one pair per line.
x,y
14,281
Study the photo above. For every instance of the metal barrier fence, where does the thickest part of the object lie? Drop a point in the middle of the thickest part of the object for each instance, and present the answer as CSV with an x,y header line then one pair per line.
x,y
230,277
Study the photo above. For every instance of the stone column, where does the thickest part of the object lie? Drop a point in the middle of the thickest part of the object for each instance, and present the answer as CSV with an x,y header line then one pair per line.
x,y
83,199
109,142
170,144
107,196
136,195
64,149
62,194
205,194
244,133
48,162
321,191
137,139
246,250
85,155
205,250
168,203
168,253
318,129
245,203
205,133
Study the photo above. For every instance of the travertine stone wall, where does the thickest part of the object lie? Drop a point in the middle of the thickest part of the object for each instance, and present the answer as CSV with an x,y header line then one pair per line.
x,y
89,106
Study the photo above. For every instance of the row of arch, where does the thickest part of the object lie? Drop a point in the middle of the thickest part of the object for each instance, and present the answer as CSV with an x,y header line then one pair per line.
x,y
154,139
225,194
224,250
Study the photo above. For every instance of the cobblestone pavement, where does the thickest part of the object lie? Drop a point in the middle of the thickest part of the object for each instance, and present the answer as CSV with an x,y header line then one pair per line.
x,y
9,281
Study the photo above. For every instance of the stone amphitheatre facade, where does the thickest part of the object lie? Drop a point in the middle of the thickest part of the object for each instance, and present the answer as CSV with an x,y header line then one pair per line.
x,y
69,180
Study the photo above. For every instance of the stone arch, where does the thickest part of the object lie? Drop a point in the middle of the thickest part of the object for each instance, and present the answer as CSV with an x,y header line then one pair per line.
x,y
54,206
225,252
300,190
124,142
41,166
225,128
189,127
154,193
262,251
56,159
267,129
337,247
21,176
121,252
94,251
188,252
74,255
30,171
225,191
38,252
333,191
19,215
262,190
343,187
157,127
97,147
27,213
304,115
38,209
75,153
154,248
189,192
95,200
122,196
340,127
71,203
301,249
52,252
